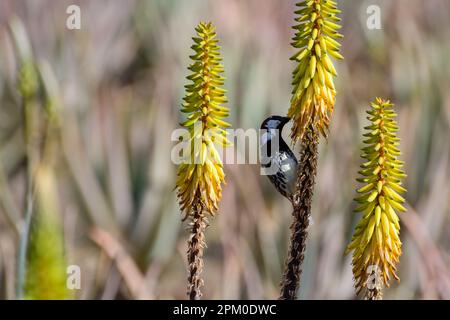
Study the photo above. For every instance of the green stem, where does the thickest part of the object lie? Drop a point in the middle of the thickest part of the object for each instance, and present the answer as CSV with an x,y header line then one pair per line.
x,y
30,162
23,246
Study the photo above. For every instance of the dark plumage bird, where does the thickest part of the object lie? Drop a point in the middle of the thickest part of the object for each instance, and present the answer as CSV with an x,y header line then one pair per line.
x,y
277,159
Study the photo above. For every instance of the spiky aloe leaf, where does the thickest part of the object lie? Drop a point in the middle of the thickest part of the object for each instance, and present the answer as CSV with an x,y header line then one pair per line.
x,y
313,94
376,244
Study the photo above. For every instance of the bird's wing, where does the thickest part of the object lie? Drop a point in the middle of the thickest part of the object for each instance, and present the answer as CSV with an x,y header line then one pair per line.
x,y
288,167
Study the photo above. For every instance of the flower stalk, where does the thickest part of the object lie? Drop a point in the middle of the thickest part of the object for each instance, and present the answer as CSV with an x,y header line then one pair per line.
x,y
200,175
376,244
196,247
312,103
301,214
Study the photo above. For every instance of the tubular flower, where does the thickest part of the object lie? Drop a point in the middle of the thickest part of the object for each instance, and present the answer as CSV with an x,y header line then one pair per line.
x,y
376,243
200,174
313,94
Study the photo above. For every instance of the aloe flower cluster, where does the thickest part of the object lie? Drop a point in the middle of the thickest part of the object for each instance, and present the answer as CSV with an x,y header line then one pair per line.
x,y
201,174
313,94
376,242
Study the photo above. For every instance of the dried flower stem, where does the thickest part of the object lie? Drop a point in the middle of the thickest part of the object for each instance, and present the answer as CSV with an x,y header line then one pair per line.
x,y
301,213
375,294
196,245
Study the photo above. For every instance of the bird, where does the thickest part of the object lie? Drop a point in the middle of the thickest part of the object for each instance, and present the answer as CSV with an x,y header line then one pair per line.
x,y
276,158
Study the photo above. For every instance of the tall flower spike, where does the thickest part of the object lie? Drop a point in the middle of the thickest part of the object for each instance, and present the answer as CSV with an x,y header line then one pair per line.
x,y
312,102
313,94
376,243
200,175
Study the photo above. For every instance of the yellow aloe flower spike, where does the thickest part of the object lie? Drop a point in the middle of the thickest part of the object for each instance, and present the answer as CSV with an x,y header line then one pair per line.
x,y
201,175
313,94
376,242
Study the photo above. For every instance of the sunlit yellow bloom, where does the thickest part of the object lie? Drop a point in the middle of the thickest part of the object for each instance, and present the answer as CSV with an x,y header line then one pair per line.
x,y
313,94
376,243
201,174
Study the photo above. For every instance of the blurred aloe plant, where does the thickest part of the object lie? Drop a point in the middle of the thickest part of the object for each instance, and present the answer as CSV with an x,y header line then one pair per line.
x,y
376,244
201,175
27,86
41,263
46,264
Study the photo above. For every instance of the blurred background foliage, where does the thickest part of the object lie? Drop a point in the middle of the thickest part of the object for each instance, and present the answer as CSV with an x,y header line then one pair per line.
x,y
120,83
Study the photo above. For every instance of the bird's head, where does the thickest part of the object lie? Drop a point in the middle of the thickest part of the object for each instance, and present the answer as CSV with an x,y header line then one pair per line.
x,y
274,122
